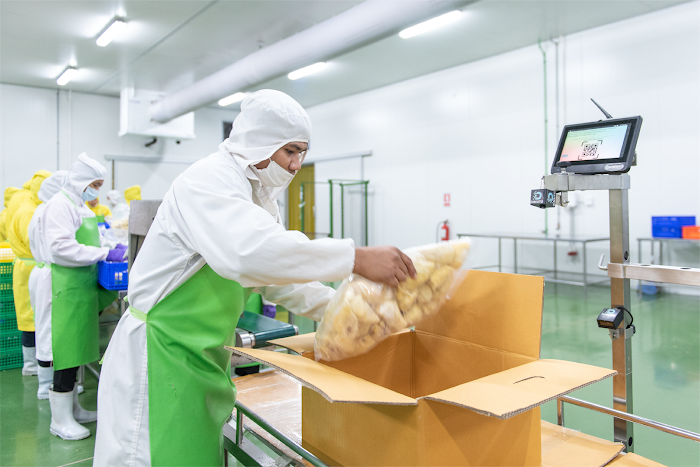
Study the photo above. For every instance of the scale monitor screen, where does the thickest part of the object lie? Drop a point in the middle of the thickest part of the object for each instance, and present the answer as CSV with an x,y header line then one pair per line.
x,y
600,147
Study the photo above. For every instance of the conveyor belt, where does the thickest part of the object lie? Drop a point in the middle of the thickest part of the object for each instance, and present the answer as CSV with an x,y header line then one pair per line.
x,y
254,330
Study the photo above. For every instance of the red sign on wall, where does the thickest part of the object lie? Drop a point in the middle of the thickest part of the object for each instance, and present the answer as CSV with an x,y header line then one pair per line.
x,y
446,199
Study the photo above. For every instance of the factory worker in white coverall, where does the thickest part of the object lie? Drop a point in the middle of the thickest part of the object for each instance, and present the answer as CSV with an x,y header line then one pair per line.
x,y
67,298
39,278
165,390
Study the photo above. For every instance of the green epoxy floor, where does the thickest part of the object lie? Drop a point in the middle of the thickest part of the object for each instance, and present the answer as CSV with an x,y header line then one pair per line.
x,y
666,352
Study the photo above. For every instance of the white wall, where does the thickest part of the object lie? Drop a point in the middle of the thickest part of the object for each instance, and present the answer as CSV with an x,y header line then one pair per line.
x,y
476,131
31,118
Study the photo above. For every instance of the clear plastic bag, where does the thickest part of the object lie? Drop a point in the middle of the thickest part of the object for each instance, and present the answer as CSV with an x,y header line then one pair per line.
x,y
363,313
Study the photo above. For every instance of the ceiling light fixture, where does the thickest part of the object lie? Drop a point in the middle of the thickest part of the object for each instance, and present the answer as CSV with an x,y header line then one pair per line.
x,y
233,98
306,71
431,24
66,76
117,27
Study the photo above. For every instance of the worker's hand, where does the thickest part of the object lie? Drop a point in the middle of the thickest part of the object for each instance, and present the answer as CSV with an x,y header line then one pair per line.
x,y
384,264
117,254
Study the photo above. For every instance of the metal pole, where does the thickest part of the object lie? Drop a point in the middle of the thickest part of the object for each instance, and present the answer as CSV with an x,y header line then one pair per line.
x,y
632,418
620,296
239,427
366,216
113,166
555,259
585,266
330,184
342,210
499,254
560,412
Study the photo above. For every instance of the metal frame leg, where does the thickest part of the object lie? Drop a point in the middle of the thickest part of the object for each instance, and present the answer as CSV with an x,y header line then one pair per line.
x,y
620,296
515,255
555,259
499,254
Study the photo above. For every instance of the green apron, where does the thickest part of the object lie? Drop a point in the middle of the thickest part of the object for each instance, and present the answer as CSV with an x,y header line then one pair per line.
x,y
190,392
75,307
100,219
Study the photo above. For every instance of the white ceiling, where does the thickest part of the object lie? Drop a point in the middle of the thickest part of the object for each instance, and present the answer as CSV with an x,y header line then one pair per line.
x,y
170,44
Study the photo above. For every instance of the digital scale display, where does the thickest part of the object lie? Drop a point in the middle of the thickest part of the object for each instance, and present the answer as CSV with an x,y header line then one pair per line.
x,y
601,147
594,144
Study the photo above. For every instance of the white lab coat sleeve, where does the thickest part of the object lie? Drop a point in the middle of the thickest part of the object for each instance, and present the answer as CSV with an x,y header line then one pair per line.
x,y
308,300
59,235
242,242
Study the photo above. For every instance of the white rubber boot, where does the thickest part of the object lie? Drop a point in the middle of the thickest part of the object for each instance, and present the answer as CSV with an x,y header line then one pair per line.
x,y
80,414
63,424
30,364
79,388
45,380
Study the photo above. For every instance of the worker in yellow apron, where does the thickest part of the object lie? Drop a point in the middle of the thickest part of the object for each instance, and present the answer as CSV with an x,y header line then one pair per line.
x,y
100,210
133,193
72,247
165,387
24,203
9,191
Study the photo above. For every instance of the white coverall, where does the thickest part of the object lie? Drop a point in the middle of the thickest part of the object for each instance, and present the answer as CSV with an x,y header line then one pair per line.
x,y
49,188
216,213
52,241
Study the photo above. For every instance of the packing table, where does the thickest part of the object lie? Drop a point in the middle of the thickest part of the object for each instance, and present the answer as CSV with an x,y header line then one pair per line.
x,y
268,407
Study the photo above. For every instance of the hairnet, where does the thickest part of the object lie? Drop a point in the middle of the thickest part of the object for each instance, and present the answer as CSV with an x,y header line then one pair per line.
x,y
132,193
9,191
52,185
268,120
83,172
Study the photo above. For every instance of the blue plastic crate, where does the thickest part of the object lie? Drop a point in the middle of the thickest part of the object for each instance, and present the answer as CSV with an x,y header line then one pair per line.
x,y
113,275
670,226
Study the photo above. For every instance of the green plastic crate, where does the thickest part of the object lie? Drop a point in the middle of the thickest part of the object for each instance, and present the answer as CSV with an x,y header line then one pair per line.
x,y
8,322
11,359
10,341
7,307
6,294
5,271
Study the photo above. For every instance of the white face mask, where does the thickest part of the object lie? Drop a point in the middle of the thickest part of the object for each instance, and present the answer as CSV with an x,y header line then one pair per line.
x,y
273,176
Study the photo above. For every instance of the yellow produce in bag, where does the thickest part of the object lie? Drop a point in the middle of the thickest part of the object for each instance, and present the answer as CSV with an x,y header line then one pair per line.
x,y
363,313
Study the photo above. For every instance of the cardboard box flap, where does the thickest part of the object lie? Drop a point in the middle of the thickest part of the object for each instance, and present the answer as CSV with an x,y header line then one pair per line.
x,y
334,385
299,344
512,392
632,460
564,447
305,342
492,309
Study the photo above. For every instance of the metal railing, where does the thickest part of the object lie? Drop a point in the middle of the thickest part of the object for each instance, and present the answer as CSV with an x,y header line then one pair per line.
x,y
624,416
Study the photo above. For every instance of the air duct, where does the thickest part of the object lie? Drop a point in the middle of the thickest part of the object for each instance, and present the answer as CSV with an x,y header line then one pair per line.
x,y
365,23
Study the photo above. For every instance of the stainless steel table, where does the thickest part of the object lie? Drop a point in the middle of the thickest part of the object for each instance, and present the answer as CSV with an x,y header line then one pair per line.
x,y
669,241
555,271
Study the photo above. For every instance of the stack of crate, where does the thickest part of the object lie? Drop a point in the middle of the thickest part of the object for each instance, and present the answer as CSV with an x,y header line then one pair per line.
x,y
10,337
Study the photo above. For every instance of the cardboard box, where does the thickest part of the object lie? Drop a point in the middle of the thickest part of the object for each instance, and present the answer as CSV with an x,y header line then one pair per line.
x,y
464,388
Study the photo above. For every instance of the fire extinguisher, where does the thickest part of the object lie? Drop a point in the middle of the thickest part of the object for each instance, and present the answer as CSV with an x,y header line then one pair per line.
x,y
444,227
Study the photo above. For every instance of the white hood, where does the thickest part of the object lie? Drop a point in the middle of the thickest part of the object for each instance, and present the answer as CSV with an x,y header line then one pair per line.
x,y
114,198
83,172
268,120
52,185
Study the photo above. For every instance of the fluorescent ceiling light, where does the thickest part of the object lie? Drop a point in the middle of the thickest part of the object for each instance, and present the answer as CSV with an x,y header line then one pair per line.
x,y
431,24
239,96
66,76
114,29
306,71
